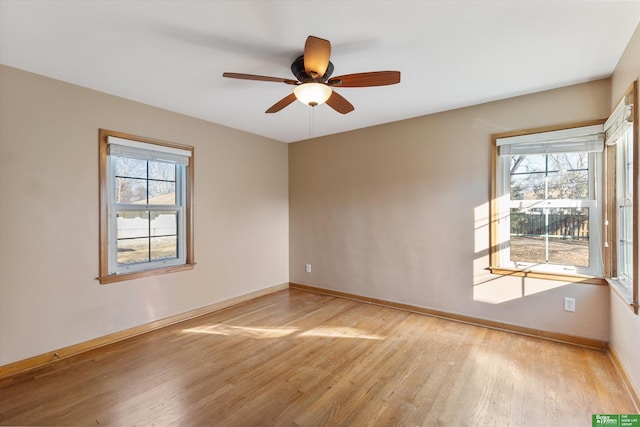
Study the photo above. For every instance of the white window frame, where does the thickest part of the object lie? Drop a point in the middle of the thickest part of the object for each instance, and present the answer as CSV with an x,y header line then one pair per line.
x,y
114,144
573,139
623,148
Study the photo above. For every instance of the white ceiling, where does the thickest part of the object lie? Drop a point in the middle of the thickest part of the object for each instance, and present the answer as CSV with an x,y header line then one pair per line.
x,y
171,53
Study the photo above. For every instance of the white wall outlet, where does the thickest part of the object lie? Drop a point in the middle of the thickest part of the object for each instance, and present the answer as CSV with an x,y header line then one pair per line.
x,y
569,304
307,268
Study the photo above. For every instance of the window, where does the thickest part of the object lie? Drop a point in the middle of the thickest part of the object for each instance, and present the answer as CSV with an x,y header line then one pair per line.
x,y
547,202
145,206
622,176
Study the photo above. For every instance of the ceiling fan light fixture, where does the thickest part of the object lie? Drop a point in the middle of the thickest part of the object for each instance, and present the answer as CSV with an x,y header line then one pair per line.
x,y
312,93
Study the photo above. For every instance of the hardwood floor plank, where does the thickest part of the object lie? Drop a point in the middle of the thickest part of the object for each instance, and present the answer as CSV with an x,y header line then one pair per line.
x,y
307,359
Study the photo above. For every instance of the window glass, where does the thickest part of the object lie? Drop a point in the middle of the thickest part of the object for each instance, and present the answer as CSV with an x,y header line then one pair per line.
x,y
624,196
557,236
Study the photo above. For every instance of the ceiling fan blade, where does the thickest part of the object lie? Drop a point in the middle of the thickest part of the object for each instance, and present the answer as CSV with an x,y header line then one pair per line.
x,y
281,104
373,78
338,103
316,56
259,78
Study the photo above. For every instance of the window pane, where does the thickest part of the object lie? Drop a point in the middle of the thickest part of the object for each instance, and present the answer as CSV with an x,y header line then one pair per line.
x,y
550,176
527,249
162,193
569,185
144,240
132,224
569,223
568,176
627,169
550,236
128,190
624,194
569,237
130,168
164,247
626,242
162,171
527,186
527,236
528,177
164,224
626,260
133,250
528,163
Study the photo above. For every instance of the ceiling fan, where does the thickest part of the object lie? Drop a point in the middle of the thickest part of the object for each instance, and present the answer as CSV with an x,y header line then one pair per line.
x,y
314,82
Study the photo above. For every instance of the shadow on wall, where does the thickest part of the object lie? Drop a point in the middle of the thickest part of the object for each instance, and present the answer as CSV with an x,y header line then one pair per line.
x,y
488,287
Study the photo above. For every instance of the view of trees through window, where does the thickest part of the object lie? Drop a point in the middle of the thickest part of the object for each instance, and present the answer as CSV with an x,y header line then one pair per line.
x,y
548,222
145,235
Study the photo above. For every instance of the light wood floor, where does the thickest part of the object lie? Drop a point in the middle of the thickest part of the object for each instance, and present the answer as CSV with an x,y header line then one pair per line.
x,y
299,358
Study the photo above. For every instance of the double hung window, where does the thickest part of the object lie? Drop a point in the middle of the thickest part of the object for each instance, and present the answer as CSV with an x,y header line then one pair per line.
x,y
622,229
145,206
548,202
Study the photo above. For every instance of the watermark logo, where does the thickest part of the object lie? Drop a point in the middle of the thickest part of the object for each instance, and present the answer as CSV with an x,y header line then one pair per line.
x,y
605,420
615,420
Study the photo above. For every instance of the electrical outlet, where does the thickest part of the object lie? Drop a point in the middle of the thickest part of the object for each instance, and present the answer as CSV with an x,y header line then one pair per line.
x,y
307,268
569,304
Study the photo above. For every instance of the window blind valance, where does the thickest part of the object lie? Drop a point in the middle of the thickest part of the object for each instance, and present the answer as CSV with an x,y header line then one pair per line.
x,y
619,121
144,151
587,138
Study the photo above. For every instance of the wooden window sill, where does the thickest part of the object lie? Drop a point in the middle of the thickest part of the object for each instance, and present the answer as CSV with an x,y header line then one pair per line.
x,y
112,278
573,278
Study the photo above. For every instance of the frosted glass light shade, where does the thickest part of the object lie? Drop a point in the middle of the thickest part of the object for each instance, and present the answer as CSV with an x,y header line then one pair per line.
x,y
312,93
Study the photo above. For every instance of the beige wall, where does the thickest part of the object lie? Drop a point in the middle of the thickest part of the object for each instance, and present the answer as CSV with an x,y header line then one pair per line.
x,y
49,297
625,326
400,212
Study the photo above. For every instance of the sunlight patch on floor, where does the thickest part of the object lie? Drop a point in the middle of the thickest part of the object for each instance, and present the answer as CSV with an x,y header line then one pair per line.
x,y
340,332
244,331
279,332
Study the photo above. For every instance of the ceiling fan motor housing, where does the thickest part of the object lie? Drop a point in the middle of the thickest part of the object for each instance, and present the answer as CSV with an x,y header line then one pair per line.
x,y
297,68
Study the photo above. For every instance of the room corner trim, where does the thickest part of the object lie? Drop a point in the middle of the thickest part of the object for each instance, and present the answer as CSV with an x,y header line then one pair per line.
x,y
72,350
552,336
